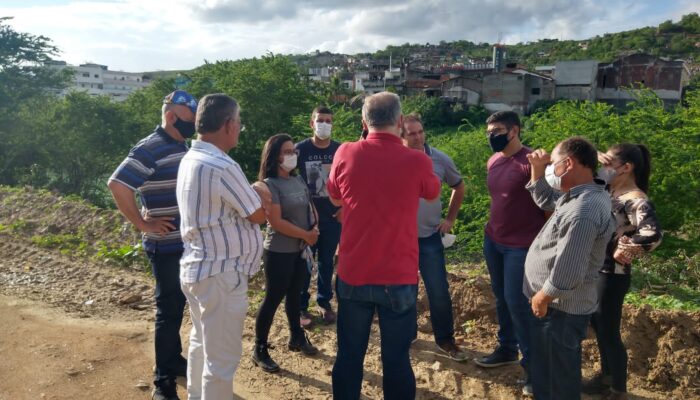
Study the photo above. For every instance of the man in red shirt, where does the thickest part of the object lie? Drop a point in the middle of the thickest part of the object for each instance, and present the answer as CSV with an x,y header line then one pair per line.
x,y
378,182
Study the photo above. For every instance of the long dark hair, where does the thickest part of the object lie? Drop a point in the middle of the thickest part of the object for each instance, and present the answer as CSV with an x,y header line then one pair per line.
x,y
270,159
637,155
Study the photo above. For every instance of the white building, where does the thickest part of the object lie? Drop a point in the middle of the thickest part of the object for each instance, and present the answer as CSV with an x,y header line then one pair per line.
x,y
98,80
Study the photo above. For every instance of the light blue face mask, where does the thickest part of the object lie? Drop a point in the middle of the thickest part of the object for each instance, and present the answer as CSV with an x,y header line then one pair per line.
x,y
607,174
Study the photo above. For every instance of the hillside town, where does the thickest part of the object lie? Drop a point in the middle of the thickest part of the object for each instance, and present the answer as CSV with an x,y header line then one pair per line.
x,y
497,84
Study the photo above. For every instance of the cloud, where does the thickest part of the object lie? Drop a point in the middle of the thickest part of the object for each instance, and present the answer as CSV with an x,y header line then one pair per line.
x,y
178,34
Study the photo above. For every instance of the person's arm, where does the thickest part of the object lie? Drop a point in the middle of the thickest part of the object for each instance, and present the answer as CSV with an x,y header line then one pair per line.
x,y
287,228
242,197
430,183
542,194
334,195
645,238
126,203
453,208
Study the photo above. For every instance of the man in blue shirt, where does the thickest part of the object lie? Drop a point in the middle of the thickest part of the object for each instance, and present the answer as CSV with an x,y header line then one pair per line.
x,y
150,170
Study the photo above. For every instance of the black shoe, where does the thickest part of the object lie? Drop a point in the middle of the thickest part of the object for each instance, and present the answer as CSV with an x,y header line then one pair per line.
x,y
452,350
165,389
496,359
261,357
302,343
598,385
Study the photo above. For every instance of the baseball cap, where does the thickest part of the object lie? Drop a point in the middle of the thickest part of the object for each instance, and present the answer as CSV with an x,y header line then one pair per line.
x,y
182,98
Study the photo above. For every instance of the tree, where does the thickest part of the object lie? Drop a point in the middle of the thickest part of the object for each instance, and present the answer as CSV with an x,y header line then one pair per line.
x,y
25,81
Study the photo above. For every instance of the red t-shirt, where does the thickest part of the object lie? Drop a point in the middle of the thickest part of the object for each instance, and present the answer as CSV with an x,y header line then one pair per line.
x,y
379,181
515,219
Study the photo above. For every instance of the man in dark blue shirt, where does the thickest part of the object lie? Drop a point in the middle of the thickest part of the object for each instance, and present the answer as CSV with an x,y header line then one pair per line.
x,y
150,170
315,159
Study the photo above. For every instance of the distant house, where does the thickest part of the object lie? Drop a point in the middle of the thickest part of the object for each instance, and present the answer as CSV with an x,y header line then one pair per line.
x,y
617,80
515,90
576,80
467,90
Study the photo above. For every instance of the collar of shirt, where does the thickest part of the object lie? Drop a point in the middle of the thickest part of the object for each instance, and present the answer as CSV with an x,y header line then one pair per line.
x,y
384,136
160,131
576,191
207,148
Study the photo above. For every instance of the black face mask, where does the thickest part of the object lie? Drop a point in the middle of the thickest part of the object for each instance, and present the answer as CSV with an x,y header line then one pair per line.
x,y
185,128
498,142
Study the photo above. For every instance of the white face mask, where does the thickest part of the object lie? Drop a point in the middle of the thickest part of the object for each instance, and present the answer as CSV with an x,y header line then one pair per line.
x,y
607,174
448,240
323,130
290,162
551,177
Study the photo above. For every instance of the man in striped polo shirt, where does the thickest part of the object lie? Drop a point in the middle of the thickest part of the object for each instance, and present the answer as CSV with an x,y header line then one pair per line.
x,y
150,170
561,268
223,245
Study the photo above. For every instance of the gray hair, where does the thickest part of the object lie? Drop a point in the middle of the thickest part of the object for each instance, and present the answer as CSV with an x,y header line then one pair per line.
x,y
213,111
381,109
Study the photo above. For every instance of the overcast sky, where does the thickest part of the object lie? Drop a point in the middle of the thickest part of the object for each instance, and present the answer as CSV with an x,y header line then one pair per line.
x,y
143,35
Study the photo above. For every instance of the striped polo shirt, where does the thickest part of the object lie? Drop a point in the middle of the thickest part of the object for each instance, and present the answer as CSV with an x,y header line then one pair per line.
x,y
564,259
150,170
215,199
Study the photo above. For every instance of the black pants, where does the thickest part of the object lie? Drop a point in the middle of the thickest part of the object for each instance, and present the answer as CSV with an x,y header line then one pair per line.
x,y
170,304
284,276
606,322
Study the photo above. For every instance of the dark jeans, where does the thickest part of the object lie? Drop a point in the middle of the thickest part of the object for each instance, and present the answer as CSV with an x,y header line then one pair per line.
x,y
431,261
555,354
284,275
396,306
170,304
612,289
507,267
328,239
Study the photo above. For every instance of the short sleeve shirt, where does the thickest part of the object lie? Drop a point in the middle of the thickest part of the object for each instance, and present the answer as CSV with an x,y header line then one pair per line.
x,y
150,170
379,182
293,198
314,167
429,213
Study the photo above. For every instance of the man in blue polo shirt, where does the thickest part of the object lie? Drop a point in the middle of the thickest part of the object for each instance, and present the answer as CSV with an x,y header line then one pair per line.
x,y
150,170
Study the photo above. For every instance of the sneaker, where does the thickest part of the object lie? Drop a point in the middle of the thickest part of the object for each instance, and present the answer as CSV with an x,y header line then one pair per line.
x,y
496,359
597,385
302,343
165,389
306,320
327,314
261,357
452,350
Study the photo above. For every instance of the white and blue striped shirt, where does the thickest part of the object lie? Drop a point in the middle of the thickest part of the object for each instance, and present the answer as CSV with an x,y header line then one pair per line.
x,y
214,198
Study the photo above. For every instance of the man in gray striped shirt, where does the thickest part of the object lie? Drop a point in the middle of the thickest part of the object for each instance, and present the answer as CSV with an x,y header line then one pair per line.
x,y
562,263
220,213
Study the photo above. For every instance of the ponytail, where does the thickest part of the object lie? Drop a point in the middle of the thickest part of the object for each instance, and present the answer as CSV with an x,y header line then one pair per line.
x,y
637,155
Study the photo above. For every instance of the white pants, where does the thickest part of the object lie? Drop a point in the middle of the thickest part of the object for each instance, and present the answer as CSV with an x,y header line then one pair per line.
x,y
218,306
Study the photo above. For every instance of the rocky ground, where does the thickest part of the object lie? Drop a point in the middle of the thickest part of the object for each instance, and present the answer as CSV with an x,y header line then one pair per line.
x,y
76,327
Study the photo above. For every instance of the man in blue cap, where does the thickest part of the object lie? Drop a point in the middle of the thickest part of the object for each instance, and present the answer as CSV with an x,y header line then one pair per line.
x,y
150,170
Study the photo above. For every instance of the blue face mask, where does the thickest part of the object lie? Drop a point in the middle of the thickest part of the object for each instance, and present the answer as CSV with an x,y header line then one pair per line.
x,y
185,128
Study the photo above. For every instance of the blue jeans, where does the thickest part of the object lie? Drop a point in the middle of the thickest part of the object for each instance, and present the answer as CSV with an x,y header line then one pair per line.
x,y
431,261
324,250
396,306
170,304
556,354
507,267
